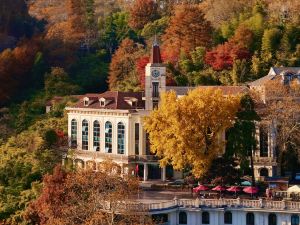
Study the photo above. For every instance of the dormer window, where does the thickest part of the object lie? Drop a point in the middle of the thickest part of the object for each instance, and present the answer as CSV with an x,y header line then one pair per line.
x,y
86,101
102,103
131,101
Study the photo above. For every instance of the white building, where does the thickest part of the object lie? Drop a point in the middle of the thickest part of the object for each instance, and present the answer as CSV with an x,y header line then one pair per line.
x,y
109,125
225,211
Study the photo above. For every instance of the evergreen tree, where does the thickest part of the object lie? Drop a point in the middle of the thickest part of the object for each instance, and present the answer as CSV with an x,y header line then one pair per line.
x,y
241,140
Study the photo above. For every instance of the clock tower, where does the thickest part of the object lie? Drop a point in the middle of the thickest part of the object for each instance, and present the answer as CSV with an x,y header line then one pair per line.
x,y
155,78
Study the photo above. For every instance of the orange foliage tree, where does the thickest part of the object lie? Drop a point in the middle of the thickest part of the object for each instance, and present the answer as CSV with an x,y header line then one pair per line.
x,y
15,66
86,197
187,30
123,63
141,13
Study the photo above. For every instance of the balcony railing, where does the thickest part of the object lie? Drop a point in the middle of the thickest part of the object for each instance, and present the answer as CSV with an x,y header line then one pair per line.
x,y
144,208
143,158
215,203
271,160
121,157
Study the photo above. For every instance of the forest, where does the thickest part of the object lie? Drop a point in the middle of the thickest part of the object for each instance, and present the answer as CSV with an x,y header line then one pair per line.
x,y
60,48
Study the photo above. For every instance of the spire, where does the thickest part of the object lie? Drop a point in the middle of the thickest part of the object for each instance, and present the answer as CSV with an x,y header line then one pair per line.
x,y
155,53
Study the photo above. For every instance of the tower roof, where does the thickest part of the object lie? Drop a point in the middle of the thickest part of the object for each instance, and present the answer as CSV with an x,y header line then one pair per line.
x,y
155,53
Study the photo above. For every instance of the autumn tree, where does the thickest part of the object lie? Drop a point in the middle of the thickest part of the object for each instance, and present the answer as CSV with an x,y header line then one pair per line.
x,y
188,130
141,13
86,197
123,64
223,56
15,67
219,12
187,30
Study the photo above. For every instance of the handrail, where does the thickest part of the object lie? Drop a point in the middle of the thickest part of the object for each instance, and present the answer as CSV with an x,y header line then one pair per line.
x,y
216,203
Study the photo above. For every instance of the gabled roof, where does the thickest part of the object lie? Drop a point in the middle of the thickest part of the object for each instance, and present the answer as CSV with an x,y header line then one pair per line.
x,y
117,100
274,72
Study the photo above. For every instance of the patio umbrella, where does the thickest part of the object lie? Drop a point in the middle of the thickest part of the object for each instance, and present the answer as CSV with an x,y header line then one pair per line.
x,y
251,190
246,183
234,189
219,188
200,188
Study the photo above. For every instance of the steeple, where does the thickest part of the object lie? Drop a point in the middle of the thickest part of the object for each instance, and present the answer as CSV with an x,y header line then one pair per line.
x,y
155,53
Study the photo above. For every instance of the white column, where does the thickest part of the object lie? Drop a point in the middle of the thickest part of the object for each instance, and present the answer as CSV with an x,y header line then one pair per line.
x,y
145,172
163,173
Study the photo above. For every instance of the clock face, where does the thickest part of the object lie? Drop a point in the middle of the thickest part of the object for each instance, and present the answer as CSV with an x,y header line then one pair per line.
x,y
155,73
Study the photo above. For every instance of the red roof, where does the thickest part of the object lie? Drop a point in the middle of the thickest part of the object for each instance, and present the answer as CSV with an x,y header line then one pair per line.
x,y
114,100
155,54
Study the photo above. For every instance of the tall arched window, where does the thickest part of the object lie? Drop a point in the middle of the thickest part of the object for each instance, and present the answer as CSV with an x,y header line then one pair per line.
x,y
121,138
96,136
295,220
73,133
272,219
228,218
182,218
205,218
249,219
85,135
108,137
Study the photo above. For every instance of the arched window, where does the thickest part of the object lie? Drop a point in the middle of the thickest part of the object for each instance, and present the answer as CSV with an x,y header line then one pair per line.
x,y
272,219
73,133
263,141
108,137
96,137
205,218
249,219
85,135
264,172
121,138
295,220
228,218
182,218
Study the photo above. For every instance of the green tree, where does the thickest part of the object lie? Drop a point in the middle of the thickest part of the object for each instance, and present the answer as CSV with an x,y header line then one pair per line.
x,y
270,41
58,83
113,30
241,141
156,27
90,72
240,71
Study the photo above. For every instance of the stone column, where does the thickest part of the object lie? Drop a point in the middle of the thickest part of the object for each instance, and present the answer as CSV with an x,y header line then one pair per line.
x,y
145,172
163,173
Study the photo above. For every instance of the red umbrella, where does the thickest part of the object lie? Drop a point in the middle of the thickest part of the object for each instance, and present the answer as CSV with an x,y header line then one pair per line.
x,y
234,189
251,190
219,188
200,188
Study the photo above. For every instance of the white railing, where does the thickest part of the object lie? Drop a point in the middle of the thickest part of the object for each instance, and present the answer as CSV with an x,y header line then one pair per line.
x,y
217,203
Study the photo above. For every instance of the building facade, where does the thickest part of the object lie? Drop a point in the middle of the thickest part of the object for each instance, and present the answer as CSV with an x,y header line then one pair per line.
x,y
110,126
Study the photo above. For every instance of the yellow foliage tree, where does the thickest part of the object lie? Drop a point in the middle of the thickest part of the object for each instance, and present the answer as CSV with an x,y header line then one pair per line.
x,y
188,131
